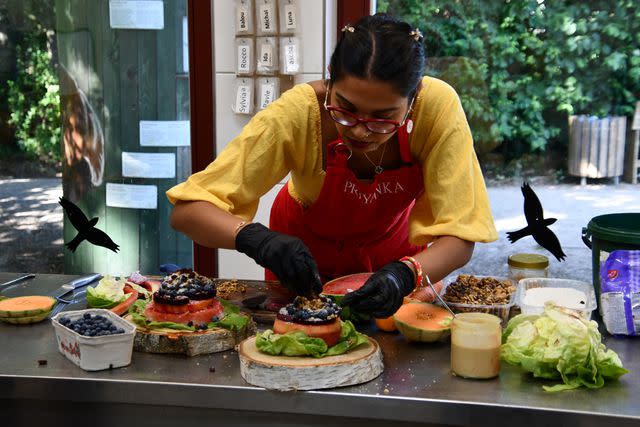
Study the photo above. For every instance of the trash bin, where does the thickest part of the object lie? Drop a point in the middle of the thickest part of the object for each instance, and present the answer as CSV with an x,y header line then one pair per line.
x,y
606,233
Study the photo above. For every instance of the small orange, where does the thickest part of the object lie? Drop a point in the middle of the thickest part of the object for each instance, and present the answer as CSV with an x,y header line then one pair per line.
x,y
387,324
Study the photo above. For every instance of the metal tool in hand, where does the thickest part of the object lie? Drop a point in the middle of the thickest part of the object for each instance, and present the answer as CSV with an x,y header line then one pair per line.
x,y
18,280
438,296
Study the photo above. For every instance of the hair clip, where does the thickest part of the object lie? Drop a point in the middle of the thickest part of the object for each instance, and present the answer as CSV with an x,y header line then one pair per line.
x,y
416,34
348,28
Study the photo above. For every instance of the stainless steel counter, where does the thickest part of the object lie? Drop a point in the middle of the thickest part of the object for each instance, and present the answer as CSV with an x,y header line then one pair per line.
x,y
416,387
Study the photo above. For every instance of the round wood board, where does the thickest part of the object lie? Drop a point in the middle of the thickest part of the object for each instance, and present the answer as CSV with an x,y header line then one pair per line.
x,y
308,373
186,342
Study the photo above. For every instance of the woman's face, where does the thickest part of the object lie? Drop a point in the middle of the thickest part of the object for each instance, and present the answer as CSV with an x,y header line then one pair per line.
x,y
367,99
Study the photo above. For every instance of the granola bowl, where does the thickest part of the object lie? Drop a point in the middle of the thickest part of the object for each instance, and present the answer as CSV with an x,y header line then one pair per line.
x,y
466,293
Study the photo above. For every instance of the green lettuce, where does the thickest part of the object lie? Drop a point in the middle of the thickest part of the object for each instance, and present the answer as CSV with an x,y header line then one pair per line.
x,y
108,293
231,319
297,343
560,344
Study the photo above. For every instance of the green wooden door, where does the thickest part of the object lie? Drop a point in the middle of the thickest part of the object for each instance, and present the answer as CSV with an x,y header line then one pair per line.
x,y
125,76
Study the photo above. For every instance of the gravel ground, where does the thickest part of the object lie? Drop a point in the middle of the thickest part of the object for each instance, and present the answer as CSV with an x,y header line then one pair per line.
x,y
31,225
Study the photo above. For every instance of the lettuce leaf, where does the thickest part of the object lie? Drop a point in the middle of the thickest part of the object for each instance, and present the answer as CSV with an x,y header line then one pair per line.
x,y
231,320
297,343
559,344
108,293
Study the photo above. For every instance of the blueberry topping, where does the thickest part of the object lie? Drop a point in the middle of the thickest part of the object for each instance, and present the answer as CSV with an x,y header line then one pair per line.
x,y
91,325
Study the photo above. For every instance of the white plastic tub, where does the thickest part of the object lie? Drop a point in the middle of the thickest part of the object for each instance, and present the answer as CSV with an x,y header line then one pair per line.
x,y
525,284
95,353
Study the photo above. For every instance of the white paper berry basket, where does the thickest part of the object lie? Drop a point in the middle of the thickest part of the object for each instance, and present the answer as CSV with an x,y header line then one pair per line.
x,y
97,352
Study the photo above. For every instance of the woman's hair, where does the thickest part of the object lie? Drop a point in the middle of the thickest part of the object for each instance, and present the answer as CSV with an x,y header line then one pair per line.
x,y
383,48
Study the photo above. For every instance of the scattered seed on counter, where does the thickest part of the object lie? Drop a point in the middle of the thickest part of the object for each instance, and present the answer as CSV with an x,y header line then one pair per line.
x,y
212,369
42,362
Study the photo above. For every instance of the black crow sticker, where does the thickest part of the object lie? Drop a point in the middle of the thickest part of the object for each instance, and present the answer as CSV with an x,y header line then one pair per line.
x,y
537,225
86,228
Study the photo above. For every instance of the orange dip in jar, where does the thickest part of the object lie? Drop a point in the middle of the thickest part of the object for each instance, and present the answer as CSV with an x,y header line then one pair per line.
x,y
475,345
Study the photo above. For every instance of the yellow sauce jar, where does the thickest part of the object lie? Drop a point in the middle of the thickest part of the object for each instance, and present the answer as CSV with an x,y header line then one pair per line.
x,y
475,345
522,266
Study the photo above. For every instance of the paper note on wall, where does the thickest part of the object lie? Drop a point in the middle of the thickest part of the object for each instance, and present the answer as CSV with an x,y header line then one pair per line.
x,y
136,15
132,196
148,165
165,133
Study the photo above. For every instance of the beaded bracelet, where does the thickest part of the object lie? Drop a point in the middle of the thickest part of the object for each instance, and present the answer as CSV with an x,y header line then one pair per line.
x,y
239,227
417,267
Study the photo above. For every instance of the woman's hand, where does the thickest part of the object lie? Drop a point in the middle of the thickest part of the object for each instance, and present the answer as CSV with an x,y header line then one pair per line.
x,y
383,292
286,256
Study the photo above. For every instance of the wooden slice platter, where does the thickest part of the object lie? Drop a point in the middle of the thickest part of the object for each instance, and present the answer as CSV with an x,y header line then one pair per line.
x,y
186,342
307,373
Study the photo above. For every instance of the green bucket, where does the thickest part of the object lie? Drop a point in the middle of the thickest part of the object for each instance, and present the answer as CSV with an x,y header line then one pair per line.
x,y
606,233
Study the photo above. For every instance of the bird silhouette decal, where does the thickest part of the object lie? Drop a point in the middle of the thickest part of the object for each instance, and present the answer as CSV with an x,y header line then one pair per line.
x,y
86,228
537,225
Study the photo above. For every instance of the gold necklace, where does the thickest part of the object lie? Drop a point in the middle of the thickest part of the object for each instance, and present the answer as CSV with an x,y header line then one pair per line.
x,y
378,168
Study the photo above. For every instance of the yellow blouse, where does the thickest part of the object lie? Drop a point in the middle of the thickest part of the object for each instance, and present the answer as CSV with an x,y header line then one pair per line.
x,y
286,138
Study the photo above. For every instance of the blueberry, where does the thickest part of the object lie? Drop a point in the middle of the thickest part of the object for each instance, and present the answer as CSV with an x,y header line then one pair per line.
x,y
190,323
323,313
86,316
119,331
208,288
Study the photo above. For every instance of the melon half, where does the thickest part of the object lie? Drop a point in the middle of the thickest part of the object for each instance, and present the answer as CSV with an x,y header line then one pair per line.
x,y
336,289
423,322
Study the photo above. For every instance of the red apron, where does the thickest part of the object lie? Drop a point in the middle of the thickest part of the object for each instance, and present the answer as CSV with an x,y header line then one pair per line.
x,y
354,226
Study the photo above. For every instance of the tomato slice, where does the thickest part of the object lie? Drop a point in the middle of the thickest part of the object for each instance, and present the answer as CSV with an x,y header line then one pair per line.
x,y
329,332
195,305
198,317
122,308
170,308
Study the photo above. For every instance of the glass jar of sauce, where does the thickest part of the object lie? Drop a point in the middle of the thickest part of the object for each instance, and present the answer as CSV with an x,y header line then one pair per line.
x,y
522,266
475,345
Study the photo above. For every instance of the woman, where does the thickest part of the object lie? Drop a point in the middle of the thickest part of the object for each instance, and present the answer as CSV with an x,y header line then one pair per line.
x,y
381,162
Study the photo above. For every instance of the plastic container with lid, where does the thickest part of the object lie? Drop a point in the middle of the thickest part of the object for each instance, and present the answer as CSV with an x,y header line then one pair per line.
x,y
556,293
523,265
475,345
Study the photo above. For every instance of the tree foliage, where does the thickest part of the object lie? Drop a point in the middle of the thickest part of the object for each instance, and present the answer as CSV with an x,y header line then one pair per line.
x,y
522,66
33,96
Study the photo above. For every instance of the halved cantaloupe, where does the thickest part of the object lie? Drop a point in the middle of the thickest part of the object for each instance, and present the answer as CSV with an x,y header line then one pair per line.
x,y
424,322
424,294
26,320
26,306
337,288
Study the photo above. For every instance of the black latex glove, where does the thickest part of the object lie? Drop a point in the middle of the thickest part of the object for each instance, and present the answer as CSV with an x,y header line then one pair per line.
x,y
286,256
383,292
